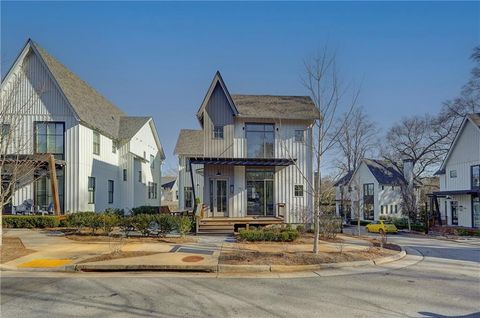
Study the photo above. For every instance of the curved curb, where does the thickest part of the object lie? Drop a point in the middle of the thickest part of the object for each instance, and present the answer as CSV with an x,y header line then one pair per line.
x,y
220,268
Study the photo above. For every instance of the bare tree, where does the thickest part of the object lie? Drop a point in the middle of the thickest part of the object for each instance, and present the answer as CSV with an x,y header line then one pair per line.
x,y
18,165
356,140
330,97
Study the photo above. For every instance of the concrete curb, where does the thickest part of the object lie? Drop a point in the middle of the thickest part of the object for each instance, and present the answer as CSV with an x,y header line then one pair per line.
x,y
220,268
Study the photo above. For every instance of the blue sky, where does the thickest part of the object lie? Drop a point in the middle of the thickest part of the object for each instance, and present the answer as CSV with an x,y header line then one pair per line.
x,y
158,58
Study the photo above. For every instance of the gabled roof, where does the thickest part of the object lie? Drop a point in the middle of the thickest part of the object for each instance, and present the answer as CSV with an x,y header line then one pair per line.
x,y
276,106
217,80
384,172
190,142
344,180
130,125
474,118
168,181
92,108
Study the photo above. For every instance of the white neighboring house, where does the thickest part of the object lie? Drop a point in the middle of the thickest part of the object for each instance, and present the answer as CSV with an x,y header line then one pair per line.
x,y
375,187
170,191
459,195
110,159
245,154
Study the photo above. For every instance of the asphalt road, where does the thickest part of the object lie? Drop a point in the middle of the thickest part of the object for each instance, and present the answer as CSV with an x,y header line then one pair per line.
x,y
437,279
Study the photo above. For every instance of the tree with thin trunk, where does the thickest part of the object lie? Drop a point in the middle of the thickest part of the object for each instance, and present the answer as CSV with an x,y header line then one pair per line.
x,y
321,79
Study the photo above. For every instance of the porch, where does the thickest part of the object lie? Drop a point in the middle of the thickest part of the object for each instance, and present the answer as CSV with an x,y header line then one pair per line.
x,y
226,225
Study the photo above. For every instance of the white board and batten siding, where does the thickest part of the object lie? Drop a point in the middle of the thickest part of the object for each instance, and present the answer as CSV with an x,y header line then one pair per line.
x,y
184,180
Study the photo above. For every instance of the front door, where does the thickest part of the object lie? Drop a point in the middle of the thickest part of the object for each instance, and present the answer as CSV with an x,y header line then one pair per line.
x,y
476,211
454,211
218,197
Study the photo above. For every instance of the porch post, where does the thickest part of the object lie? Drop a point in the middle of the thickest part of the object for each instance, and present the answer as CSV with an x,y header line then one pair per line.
x,y
54,184
193,186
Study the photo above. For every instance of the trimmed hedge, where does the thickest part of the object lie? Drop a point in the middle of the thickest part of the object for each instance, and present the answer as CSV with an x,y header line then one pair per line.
x,y
467,232
362,222
29,221
145,209
269,234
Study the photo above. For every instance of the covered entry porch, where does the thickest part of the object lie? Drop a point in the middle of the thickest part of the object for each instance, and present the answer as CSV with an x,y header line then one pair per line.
x,y
239,192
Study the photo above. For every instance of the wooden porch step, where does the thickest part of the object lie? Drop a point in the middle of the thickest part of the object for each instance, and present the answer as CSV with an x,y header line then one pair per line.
x,y
216,226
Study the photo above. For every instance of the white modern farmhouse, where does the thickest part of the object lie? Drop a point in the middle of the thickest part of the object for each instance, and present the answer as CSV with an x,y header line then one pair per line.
x,y
104,158
251,161
458,200
375,186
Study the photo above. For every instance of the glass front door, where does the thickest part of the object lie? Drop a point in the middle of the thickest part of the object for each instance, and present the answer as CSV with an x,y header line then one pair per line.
x,y
454,211
218,197
260,193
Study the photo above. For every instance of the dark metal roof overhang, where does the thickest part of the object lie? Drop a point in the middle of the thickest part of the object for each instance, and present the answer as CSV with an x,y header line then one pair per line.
x,y
267,162
456,192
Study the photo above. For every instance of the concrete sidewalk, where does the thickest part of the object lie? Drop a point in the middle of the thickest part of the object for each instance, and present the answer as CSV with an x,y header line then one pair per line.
x,y
55,252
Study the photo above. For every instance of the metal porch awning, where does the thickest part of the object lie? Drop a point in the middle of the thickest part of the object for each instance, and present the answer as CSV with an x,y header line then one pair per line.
x,y
268,162
456,192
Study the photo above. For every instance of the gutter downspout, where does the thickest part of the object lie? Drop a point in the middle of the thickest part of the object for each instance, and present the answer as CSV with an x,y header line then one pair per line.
x,y
193,186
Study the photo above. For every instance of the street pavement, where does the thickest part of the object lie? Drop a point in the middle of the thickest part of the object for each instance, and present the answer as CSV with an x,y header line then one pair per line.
x,y
438,278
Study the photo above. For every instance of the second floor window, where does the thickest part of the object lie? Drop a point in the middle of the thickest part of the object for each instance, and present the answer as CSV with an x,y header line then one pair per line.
x,y
368,189
218,132
187,164
114,146
453,173
298,190
49,138
124,174
152,161
299,136
96,143
260,140
139,175
152,190
476,177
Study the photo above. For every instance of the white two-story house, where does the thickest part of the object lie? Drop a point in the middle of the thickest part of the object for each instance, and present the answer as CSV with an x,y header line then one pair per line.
x,y
105,158
459,196
372,190
252,157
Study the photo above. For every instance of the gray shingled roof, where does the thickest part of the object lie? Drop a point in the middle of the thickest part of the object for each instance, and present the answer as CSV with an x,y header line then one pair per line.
x,y
168,181
385,172
130,125
281,107
190,142
344,180
92,108
475,117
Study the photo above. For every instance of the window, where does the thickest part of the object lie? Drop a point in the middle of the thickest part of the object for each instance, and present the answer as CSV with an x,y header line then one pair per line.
x,y
49,138
260,140
368,189
114,146
396,209
176,194
152,161
124,174
139,175
368,201
187,164
393,188
188,197
299,136
381,209
144,155
299,190
91,190
383,187
453,173
4,131
110,191
391,209
43,191
475,177
218,132
96,143
152,190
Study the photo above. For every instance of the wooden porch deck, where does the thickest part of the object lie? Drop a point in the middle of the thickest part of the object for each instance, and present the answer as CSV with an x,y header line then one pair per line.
x,y
226,225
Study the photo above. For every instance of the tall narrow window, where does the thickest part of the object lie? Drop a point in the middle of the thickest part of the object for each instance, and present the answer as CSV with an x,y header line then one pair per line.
x,y
139,175
124,174
110,191
396,208
368,201
260,140
188,197
114,146
475,177
152,161
152,190
49,138
4,133
96,143
187,164
91,190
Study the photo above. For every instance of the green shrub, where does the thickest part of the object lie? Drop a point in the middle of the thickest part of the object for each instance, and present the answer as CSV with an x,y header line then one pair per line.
x,y
126,224
117,212
329,226
269,234
467,232
183,225
142,222
29,221
80,220
300,228
108,221
419,227
166,223
145,209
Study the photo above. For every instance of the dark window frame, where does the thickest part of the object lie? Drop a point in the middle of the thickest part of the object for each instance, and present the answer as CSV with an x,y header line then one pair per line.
x,y
96,145
152,190
114,146
472,185
124,174
188,190
91,190
453,174
152,161
57,155
111,189
267,128
218,132
299,133
298,192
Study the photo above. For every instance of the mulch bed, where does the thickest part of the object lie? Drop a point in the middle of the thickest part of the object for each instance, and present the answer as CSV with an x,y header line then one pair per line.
x,y
12,248
117,255
263,258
